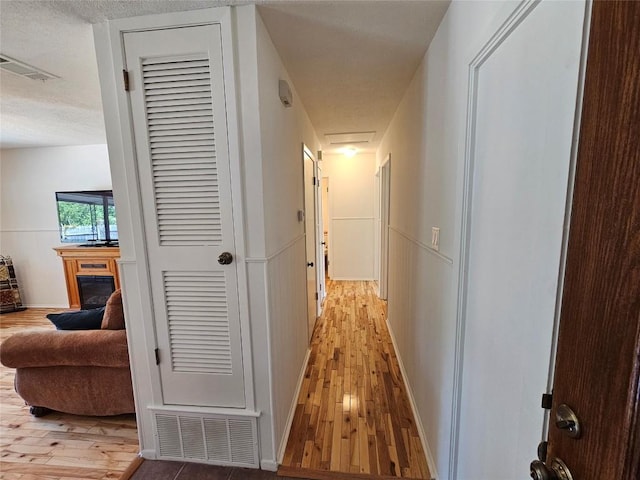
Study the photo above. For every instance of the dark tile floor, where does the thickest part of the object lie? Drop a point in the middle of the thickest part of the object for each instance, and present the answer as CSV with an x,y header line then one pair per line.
x,y
163,470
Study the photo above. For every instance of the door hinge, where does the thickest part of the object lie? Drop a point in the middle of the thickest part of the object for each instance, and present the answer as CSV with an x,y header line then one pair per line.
x,y
547,399
157,353
316,295
125,77
315,182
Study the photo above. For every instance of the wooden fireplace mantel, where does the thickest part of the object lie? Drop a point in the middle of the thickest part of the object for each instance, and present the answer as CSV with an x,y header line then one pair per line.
x,y
78,260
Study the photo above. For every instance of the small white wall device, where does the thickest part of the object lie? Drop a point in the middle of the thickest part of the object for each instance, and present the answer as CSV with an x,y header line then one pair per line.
x,y
285,93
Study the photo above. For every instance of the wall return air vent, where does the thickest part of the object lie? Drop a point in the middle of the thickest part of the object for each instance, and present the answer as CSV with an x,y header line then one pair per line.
x,y
17,67
206,438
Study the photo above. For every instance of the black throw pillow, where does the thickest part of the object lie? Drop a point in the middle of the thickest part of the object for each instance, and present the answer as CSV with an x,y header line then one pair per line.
x,y
80,320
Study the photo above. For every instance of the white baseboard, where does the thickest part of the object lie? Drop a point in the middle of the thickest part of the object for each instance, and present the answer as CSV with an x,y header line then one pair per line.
x,y
414,409
292,409
269,465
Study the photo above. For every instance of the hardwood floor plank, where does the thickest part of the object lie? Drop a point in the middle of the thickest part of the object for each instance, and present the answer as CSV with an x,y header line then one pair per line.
x,y
353,415
336,444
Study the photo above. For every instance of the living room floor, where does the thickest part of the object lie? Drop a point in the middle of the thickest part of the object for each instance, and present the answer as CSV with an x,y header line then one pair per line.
x,y
57,446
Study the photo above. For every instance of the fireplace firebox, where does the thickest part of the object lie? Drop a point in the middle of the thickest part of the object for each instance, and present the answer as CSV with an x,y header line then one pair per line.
x,y
94,290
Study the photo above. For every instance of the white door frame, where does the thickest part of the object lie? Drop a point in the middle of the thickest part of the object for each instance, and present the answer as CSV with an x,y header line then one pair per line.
x,y
329,265
320,263
384,177
311,257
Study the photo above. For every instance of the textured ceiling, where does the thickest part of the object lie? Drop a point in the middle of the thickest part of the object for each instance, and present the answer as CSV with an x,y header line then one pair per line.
x,y
350,61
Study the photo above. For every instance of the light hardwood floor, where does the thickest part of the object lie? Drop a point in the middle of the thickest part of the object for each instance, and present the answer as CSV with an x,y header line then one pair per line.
x,y
353,413
57,446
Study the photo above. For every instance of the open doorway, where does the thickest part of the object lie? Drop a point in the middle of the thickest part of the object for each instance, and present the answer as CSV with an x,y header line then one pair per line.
x,y
314,238
309,230
324,187
321,242
384,188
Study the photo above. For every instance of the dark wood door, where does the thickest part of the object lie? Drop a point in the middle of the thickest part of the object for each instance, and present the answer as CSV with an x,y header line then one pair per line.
x,y
598,357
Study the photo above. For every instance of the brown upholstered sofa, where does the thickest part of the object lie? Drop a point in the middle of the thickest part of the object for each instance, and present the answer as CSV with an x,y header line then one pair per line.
x,y
84,372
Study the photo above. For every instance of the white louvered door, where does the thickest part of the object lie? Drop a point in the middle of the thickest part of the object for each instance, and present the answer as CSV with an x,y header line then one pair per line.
x,y
178,110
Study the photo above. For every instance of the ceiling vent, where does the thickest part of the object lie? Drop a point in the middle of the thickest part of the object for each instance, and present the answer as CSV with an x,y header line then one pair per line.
x,y
349,138
16,67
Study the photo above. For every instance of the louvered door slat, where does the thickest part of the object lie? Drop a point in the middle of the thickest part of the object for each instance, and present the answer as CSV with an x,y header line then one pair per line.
x,y
157,134
197,185
178,103
160,71
196,112
156,93
190,123
152,65
187,77
170,118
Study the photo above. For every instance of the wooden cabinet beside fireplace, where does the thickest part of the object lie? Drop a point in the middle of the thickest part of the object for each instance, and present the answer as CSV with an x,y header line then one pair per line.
x,y
86,261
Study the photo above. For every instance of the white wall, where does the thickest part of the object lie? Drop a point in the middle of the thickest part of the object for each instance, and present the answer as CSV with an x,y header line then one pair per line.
x,y
351,215
426,139
273,138
29,178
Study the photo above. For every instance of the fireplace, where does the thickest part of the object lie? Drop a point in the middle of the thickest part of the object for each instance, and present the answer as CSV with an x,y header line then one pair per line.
x,y
93,264
94,290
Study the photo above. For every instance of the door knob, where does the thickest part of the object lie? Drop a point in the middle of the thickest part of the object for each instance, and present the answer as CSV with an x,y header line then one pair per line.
x,y
557,471
225,258
309,264
539,471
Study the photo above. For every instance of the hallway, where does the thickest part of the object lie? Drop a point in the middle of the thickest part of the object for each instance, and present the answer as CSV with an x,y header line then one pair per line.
x,y
353,414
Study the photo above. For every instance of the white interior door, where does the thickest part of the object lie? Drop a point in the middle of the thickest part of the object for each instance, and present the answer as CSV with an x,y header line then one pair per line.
x,y
525,98
310,239
179,114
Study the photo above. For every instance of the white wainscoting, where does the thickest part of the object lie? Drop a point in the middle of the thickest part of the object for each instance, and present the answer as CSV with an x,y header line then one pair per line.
x,y
422,323
351,248
285,332
39,270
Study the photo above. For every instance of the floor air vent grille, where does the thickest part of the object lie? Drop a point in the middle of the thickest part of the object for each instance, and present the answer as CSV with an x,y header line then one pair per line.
x,y
211,439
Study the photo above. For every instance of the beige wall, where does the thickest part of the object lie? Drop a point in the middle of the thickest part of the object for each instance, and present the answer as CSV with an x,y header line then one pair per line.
x,y
426,139
351,215
29,178
273,138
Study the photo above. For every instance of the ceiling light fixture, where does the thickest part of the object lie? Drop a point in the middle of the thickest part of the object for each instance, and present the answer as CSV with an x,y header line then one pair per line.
x,y
348,151
17,67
